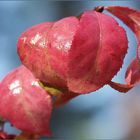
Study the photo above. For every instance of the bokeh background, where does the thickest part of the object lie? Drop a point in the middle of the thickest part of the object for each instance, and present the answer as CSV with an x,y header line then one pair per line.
x,y
105,114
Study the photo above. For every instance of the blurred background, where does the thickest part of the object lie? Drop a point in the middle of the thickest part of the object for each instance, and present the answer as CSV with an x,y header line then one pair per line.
x,y
105,114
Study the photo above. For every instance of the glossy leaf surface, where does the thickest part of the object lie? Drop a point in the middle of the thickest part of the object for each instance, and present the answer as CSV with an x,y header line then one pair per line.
x,y
44,50
24,103
80,54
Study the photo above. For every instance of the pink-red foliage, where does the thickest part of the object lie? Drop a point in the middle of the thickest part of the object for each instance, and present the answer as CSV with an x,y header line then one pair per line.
x,y
66,58
24,103
82,54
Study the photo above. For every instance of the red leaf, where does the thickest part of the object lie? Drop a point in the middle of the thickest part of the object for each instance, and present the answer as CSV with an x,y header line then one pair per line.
x,y
130,17
44,48
82,54
3,135
133,73
24,103
121,87
97,52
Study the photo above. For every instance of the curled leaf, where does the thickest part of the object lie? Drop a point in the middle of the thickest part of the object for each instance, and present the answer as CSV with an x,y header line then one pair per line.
x,y
4,135
81,54
121,87
44,50
133,73
130,17
24,103
96,54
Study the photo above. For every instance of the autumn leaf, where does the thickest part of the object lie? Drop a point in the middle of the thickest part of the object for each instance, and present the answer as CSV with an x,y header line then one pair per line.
x,y
94,55
133,73
81,54
130,17
24,103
